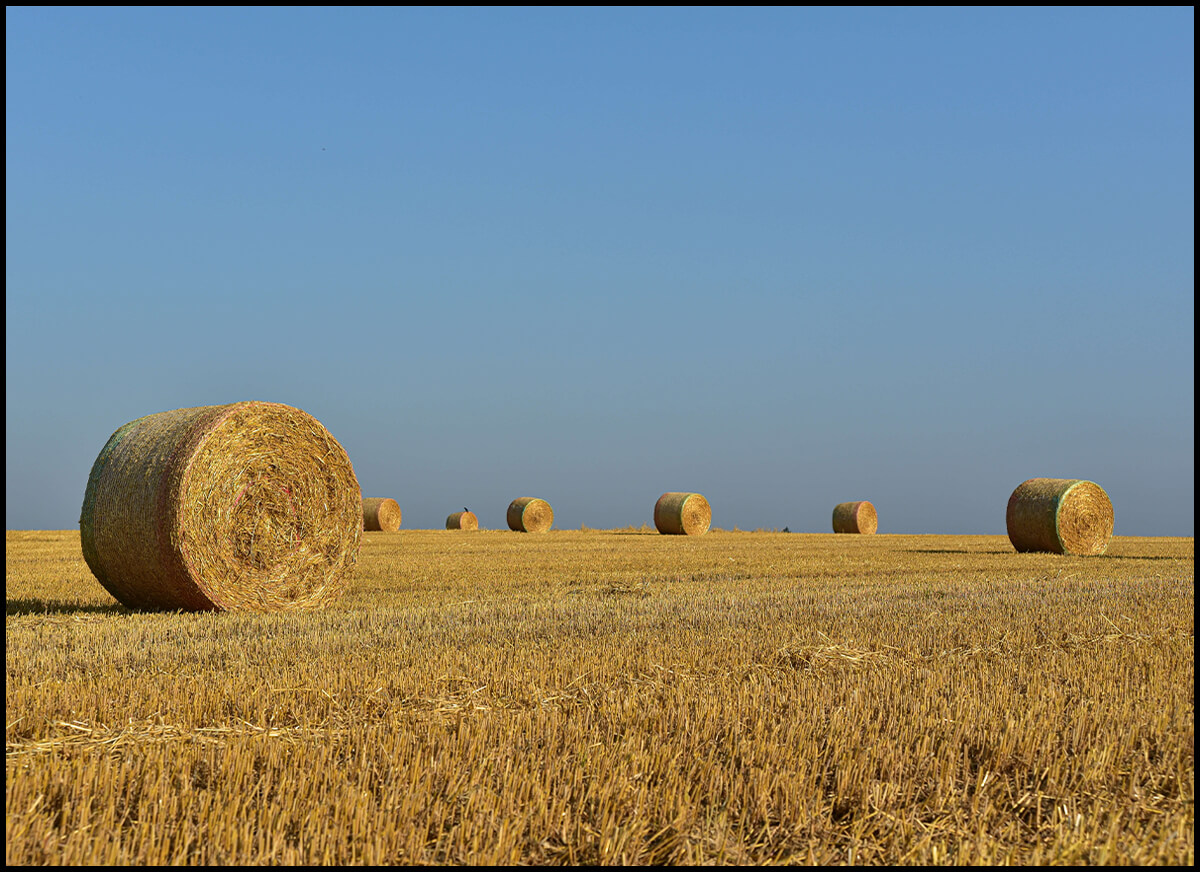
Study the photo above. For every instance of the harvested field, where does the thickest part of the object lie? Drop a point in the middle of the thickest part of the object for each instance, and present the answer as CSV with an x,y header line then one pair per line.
x,y
611,697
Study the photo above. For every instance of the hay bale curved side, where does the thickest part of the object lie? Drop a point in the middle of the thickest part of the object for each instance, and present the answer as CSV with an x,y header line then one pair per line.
x,y
464,520
855,517
250,506
530,515
1061,516
682,514
381,514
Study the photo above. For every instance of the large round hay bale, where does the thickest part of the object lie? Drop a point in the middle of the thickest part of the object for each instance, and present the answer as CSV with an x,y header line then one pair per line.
x,y
530,515
1060,515
856,517
382,514
682,514
464,520
250,506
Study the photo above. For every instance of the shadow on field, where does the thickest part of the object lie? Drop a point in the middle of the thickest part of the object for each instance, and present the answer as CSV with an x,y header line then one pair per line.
x,y
1143,557
957,551
1045,554
15,607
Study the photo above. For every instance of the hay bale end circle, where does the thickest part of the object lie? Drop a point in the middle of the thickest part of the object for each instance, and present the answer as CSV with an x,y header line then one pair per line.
x,y
682,514
381,514
1060,516
530,515
248,506
855,517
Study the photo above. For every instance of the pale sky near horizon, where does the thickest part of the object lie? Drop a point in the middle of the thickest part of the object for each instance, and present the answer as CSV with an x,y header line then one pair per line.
x,y
784,257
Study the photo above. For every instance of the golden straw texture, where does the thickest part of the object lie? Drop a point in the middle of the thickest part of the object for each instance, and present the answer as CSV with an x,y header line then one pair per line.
x,y
683,514
856,517
464,520
381,513
530,515
249,506
1060,515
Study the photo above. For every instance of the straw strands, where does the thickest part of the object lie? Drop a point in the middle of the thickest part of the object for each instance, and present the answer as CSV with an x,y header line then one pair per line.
x,y
530,515
464,520
381,513
856,517
1060,515
684,514
249,506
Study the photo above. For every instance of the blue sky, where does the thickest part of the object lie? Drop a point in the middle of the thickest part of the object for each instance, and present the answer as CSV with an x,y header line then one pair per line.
x,y
782,257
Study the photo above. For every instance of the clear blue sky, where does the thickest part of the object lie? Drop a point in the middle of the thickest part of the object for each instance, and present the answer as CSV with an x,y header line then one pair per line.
x,y
781,257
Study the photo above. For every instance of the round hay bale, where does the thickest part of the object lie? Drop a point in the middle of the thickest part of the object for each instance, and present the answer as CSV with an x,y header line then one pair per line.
x,y
682,514
464,520
381,513
530,515
857,517
1060,515
249,506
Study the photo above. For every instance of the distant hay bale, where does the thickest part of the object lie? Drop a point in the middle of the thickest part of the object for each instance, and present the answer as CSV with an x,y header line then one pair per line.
x,y
248,506
464,520
1060,515
682,514
530,515
856,517
381,513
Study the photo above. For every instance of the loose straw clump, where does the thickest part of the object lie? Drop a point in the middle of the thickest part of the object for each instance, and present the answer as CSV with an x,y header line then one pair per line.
x,y
682,514
381,513
530,515
1060,515
464,520
857,517
250,506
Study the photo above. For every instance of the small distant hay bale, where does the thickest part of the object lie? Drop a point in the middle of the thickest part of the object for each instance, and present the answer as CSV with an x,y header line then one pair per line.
x,y
381,514
1061,516
530,515
856,517
249,506
682,514
464,520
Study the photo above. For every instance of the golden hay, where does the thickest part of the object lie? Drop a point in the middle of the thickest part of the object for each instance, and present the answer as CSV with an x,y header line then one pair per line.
x,y
856,517
530,515
464,520
381,513
1060,515
684,514
248,506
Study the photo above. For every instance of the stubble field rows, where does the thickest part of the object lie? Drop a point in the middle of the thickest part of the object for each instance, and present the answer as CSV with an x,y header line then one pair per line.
x,y
616,697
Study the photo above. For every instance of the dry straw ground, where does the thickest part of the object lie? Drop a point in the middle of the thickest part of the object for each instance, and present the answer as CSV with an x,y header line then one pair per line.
x,y
612,697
